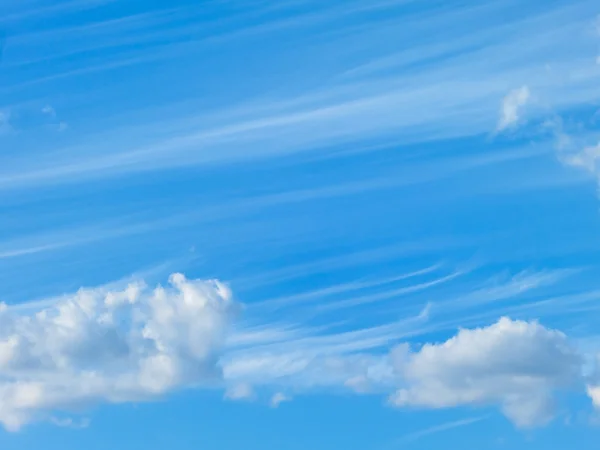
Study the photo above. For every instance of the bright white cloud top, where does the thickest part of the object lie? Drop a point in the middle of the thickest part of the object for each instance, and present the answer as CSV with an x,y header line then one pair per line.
x,y
122,346
518,365
138,344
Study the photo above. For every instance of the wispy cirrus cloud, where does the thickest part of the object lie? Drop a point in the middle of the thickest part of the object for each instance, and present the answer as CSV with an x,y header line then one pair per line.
x,y
341,289
457,98
240,392
389,294
440,428
379,98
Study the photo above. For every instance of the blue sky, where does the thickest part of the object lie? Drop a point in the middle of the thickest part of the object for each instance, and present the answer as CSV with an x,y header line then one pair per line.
x,y
299,224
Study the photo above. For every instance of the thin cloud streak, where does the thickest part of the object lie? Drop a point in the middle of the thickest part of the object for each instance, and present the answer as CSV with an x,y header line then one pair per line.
x,y
386,295
411,106
440,428
319,294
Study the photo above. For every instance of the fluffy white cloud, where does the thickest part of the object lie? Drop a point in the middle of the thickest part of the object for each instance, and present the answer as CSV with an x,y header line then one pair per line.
x,y
136,344
110,346
511,107
594,394
517,365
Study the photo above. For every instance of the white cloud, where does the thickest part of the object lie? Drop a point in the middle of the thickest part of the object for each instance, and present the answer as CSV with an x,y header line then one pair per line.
x,y
594,394
359,384
307,369
70,423
455,97
133,344
574,148
241,391
113,347
593,387
586,159
517,365
511,107
49,110
278,399
322,361
441,428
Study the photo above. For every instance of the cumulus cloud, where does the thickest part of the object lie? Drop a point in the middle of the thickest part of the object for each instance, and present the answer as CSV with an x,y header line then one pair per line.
x,y
512,106
137,344
516,365
130,345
